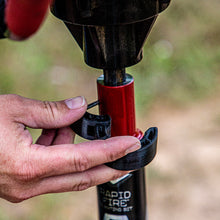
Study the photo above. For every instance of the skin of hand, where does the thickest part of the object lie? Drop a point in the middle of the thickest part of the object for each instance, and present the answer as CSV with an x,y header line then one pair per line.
x,y
53,164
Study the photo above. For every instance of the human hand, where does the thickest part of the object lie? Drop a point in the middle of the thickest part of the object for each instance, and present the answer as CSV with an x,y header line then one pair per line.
x,y
53,164
23,18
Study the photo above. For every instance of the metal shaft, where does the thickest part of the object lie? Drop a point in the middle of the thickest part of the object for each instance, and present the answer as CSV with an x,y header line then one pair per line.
x,y
114,77
125,198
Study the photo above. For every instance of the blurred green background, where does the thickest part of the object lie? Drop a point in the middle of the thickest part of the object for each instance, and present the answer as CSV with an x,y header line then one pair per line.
x,y
178,74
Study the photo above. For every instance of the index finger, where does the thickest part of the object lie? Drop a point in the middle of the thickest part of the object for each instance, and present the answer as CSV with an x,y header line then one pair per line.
x,y
65,159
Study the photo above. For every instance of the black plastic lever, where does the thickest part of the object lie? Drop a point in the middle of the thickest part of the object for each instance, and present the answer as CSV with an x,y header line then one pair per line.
x,y
94,127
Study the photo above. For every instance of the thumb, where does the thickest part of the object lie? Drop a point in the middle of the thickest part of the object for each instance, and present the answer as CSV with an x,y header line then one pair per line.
x,y
46,114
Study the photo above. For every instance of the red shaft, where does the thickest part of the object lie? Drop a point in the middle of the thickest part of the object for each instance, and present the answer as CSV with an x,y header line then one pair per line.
x,y
23,17
118,103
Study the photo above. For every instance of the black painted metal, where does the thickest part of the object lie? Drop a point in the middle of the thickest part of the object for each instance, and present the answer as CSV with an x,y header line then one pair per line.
x,y
112,47
107,12
114,77
93,127
115,47
110,32
123,199
2,19
93,104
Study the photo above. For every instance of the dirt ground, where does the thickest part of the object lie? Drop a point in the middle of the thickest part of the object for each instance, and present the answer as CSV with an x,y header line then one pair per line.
x,y
186,180
183,181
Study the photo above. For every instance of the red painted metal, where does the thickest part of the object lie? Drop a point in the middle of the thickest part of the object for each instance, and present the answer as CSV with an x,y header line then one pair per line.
x,y
138,134
118,103
24,17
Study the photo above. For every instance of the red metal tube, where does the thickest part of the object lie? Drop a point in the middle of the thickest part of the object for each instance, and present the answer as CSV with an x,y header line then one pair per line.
x,y
24,17
118,103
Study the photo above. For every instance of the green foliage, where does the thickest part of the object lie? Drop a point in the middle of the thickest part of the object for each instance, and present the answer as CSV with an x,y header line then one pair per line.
x,y
181,57
180,61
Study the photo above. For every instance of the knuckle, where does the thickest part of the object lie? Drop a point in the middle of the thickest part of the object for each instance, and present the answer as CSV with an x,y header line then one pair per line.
x,y
81,163
112,153
17,193
15,99
51,109
18,196
8,99
14,192
24,172
84,184
111,156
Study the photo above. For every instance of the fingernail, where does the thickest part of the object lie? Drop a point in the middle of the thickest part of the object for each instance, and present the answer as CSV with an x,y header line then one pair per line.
x,y
75,103
133,148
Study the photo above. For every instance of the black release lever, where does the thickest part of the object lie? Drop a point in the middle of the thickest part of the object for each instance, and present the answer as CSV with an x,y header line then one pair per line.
x,y
93,127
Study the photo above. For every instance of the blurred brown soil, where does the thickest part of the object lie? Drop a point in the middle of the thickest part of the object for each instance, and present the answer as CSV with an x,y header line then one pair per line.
x,y
184,182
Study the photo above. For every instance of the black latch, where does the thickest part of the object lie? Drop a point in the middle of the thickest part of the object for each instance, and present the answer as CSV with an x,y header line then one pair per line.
x,y
94,127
